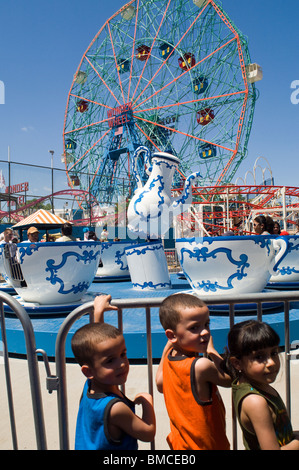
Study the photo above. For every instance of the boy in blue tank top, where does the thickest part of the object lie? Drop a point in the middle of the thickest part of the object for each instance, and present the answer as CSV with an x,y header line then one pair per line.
x,y
106,418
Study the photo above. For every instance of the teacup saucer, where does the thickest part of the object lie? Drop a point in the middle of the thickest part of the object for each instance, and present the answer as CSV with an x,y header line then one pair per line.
x,y
283,285
126,277
35,309
8,288
241,309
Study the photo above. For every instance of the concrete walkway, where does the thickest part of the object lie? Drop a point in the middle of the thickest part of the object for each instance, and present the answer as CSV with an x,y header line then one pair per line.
x,y
137,382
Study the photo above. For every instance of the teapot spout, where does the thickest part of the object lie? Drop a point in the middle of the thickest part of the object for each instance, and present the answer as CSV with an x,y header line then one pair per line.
x,y
181,202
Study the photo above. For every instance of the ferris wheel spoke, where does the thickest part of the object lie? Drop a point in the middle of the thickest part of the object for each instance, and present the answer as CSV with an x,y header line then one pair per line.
x,y
171,129
157,148
172,105
148,138
93,124
150,52
87,151
95,174
175,47
89,100
102,80
133,49
237,145
116,65
182,74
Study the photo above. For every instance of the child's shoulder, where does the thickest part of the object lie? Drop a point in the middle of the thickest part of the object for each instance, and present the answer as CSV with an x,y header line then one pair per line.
x,y
207,372
203,367
203,363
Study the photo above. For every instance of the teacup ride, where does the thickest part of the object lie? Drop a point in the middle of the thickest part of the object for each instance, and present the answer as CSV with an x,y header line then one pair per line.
x,y
113,263
219,266
287,276
52,277
150,214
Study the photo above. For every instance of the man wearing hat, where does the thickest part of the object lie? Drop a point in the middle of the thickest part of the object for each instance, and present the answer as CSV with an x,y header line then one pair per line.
x,y
32,234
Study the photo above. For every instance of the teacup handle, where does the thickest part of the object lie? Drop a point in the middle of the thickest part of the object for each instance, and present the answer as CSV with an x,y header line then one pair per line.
x,y
282,245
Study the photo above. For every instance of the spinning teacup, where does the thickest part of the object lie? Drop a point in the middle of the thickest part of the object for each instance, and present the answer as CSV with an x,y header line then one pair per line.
x,y
230,265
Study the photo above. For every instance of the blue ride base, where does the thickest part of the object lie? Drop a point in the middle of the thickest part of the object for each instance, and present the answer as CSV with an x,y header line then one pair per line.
x,y
47,320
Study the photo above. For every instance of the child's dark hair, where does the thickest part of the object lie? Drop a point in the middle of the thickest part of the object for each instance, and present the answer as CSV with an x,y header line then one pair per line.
x,y
85,339
246,337
172,307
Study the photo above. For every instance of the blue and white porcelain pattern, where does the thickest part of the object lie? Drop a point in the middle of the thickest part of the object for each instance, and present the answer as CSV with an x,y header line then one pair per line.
x,y
55,273
230,265
152,207
148,266
288,270
114,259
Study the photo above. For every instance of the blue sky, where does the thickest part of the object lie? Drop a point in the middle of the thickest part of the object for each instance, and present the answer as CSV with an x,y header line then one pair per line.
x,y
42,43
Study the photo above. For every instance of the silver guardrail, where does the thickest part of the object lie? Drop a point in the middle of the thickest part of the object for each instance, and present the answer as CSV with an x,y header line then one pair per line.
x,y
58,382
286,297
33,371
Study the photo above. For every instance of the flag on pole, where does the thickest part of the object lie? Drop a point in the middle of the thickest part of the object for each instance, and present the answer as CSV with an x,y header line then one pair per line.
x,y
2,180
119,130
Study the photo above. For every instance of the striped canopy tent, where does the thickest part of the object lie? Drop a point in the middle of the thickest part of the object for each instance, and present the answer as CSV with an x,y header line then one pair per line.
x,y
42,220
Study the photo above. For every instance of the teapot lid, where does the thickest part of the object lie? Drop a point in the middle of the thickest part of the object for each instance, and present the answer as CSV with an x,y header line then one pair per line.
x,y
166,156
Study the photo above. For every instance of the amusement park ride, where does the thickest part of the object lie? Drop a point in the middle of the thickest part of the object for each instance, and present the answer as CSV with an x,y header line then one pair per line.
x,y
176,77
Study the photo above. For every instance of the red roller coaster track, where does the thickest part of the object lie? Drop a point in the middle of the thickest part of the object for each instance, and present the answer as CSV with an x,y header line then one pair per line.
x,y
17,214
240,201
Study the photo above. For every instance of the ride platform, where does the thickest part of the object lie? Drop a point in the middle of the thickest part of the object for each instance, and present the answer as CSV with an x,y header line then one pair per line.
x,y
47,320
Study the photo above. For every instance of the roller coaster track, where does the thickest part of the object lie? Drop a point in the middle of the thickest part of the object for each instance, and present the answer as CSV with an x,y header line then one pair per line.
x,y
260,197
16,213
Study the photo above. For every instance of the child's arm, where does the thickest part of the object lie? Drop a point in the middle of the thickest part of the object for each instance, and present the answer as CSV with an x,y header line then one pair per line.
x,y
208,371
122,418
255,414
159,374
101,304
222,378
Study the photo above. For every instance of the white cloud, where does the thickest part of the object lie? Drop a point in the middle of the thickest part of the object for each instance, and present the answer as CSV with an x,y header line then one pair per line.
x,y
27,128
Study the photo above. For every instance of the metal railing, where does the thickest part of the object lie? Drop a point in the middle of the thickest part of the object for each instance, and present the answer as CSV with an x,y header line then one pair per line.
x,y
33,371
257,299
58,382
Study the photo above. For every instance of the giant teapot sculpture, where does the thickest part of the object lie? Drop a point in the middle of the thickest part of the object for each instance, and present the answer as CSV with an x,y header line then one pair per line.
x,y
152,207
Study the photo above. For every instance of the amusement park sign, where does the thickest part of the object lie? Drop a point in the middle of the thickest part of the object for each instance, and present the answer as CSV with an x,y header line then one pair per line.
x,y
120,115
18,188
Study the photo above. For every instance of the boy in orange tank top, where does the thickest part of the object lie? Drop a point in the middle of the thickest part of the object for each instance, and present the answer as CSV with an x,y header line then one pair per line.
x,y
188,380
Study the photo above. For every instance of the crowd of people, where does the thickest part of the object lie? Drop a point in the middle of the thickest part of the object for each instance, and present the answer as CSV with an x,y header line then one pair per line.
x,y
33,235
189,376
261,225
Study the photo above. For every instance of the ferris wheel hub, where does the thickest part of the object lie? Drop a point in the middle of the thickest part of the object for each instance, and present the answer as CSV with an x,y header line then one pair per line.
x,y
120,115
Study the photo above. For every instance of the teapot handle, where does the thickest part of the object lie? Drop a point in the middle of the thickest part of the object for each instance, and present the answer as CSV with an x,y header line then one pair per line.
x,y
147,161
281,248
186,197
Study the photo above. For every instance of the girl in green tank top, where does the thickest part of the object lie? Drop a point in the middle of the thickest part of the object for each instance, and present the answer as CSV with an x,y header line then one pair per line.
x,y
252,360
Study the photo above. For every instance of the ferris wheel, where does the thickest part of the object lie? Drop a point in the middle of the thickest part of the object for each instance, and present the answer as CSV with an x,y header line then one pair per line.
x,y
171,75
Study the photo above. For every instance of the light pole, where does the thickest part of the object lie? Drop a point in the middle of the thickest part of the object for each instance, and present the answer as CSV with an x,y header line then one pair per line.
x,y
52,176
